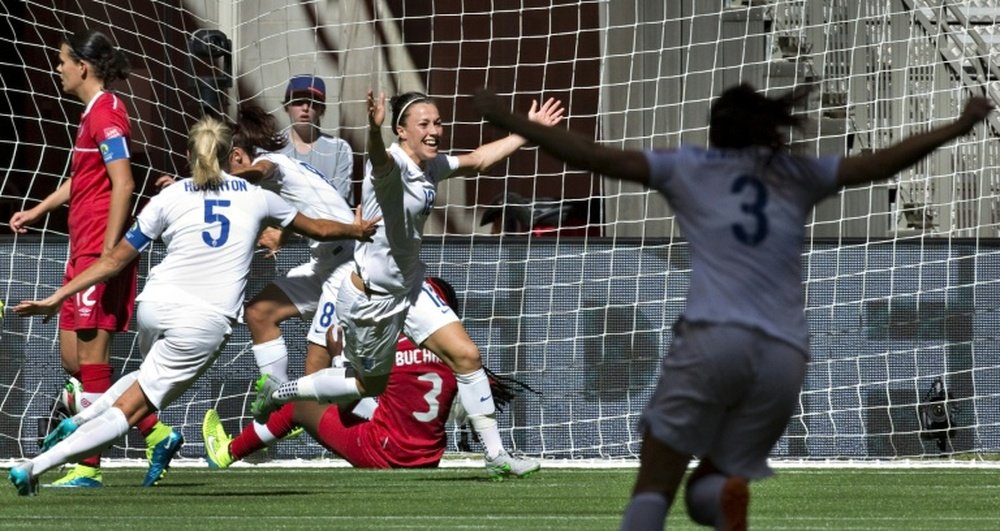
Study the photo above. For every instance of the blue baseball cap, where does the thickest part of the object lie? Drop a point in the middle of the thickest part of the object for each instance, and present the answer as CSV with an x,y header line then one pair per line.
x,y
306,85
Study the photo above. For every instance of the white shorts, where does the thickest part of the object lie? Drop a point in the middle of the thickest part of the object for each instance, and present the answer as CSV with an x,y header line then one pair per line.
x,y
727,393
325,315
372,324
178,344
303,284
427,315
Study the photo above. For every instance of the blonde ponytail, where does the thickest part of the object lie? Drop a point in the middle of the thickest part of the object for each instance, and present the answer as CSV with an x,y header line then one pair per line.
x,y
209,143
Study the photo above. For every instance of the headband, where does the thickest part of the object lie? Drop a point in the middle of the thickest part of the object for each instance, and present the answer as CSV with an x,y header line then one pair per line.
x,y
402,112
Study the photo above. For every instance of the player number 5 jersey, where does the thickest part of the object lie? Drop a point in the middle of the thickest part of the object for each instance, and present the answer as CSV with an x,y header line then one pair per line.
x,y
210,234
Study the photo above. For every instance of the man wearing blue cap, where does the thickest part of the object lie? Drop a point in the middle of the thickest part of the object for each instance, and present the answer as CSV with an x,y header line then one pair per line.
x,y
305,103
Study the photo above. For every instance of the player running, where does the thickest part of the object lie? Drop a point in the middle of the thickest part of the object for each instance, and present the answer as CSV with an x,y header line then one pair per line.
x,y
731,381
209,224
99,193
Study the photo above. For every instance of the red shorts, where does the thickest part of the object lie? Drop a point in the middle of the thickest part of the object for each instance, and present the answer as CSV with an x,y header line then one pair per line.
x,y
368,445
354,443
104,306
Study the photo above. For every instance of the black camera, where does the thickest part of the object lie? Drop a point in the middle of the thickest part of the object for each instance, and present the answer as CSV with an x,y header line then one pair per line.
x,y
211,80
937,415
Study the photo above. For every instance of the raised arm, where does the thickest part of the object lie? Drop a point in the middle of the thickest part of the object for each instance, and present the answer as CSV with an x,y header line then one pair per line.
x,y
376,145
887,162
570,147
108,266
325,229
485,156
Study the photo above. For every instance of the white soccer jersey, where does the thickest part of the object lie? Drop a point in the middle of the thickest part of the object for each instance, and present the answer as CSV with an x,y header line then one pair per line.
x,y
305,188
744,213
404,196
210,236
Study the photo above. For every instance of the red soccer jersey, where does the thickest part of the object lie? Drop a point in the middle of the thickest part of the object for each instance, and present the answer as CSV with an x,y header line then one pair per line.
x,y
103,137
414,407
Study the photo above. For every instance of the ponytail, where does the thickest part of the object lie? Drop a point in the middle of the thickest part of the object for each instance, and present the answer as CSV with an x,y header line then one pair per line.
x,y
209,143
109,63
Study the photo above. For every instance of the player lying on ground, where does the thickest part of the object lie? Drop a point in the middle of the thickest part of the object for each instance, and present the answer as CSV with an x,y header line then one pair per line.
x,y
405,428
732,377
209,224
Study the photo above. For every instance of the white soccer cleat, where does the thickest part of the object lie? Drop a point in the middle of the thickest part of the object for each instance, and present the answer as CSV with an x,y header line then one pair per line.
x,y
264,404
505,465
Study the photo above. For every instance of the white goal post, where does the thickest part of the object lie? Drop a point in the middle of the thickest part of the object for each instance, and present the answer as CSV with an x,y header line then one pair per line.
x,y
568,281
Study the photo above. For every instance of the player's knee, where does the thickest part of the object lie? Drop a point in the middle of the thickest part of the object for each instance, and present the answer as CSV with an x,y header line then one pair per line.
x,y
257,314
702,498
465,357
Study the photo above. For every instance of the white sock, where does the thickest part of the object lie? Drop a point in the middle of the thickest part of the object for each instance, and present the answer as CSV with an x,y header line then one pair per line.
x,y
106,400
272,358
328,385
646,510
85,441
477,398
263,433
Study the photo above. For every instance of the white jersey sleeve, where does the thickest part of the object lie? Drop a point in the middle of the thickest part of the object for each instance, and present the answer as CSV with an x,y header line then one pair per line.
x,y
305,188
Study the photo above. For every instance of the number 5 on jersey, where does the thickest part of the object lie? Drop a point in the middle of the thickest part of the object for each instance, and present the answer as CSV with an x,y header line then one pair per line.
x,y
213,216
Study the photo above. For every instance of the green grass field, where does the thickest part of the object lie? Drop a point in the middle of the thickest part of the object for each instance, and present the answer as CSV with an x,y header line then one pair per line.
x,y
450,498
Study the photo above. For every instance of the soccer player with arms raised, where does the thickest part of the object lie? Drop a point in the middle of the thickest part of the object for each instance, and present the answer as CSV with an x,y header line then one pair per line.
x,y
99,193
731,380
374,302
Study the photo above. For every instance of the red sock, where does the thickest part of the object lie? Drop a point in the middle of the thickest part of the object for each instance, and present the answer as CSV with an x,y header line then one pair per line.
x,y
248,442
95,378
147,424
280,422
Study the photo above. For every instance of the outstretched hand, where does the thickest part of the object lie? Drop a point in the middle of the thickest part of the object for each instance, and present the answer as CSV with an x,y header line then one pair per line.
x,y
376,109
551,112
46,307
976,110
366,227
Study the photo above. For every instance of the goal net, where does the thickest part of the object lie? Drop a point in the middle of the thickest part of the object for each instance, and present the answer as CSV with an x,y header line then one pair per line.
x,y
567,281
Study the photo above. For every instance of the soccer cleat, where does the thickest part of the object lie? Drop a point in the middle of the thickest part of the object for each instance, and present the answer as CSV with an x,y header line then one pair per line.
x,y
20,477
505,465
159,432
80,477
264,404
61,431
294,433
217,441
163,452
735,499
